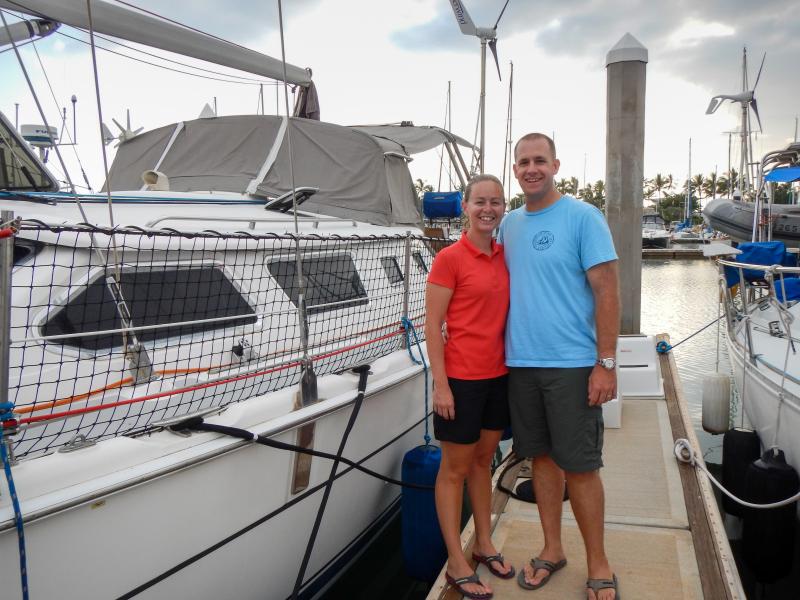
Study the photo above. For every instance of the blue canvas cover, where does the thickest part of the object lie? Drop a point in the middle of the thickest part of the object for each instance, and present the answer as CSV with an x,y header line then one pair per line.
x,y
792,286
437,205
759,253
783,174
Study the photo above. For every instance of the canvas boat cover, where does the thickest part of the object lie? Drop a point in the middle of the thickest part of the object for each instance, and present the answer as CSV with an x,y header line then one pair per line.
x,y
783,174
361,172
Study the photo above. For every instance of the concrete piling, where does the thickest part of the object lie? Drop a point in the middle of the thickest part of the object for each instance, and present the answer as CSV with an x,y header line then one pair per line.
x,y
626,69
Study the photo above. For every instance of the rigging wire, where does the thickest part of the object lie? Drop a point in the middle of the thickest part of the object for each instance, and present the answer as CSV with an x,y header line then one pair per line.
x,y
172,69
64,128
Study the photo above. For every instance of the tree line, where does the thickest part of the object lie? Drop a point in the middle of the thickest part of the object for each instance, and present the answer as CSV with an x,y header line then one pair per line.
x,y
662,193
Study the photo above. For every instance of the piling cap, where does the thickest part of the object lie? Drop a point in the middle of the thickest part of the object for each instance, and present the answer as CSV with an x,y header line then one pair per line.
x,y
628,48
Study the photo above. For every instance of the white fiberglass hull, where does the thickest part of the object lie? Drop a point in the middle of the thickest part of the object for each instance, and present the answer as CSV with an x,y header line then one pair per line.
x,y
150,507
771,402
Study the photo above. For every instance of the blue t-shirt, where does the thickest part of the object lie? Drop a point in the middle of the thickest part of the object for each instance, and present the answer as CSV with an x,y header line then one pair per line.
x,y
551,318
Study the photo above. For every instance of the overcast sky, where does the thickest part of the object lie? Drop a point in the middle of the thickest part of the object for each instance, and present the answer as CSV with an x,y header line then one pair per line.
x,y
376,61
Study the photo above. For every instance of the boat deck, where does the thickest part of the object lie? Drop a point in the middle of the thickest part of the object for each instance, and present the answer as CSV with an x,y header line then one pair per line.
x,y
664,537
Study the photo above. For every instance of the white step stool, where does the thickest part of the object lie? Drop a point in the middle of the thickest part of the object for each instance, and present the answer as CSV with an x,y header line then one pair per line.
x,y
638,375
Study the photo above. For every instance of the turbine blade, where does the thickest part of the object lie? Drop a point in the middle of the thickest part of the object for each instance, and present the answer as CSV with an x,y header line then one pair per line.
x,y
462,16
759,71
121,128
501,15
754,106
108,137
493,48
713,105
129,119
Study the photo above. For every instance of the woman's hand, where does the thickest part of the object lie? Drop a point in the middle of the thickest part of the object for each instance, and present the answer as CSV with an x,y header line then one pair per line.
x,y
443,404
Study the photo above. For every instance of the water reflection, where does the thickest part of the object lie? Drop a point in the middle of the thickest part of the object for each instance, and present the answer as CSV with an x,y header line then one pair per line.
x,y
679,297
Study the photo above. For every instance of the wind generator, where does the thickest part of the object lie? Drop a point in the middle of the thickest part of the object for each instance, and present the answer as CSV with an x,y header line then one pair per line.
x,y
747,100
126,133
485,35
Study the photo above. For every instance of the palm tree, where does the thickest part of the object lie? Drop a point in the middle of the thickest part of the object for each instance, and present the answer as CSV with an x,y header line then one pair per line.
x,y
710,185
516,201
658,184
421,187
698,184
596,194
568,186
723,186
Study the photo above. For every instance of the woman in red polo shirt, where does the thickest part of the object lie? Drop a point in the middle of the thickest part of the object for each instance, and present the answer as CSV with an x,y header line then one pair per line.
x,y
468,289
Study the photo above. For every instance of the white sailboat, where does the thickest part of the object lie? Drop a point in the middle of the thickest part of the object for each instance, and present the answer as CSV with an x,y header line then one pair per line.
x,y
249,307
761,303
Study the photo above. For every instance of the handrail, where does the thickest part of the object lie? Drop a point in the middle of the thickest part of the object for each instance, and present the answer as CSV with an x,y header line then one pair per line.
x,y
766,268
314,220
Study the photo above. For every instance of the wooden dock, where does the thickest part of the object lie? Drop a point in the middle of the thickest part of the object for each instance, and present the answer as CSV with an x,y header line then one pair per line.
x,y
664,535
671,252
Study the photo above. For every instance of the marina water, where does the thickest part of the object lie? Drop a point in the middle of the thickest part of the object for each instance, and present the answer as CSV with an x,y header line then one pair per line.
x,y
678,297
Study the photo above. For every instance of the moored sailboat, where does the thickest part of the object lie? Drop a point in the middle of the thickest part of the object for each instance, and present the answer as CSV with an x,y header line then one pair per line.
x,y
283,303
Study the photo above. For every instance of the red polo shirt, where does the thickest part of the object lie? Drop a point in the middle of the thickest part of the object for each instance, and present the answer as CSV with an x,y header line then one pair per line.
x,y
476,315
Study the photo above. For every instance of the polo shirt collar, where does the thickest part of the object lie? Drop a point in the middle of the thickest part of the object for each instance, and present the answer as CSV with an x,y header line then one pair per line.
x,y
474,250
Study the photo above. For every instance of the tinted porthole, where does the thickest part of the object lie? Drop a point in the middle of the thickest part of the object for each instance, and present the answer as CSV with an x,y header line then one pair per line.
x,y
392,269
24,249
332,282
153,297
418,258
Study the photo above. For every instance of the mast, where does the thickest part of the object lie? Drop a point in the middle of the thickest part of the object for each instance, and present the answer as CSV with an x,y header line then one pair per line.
x,y
744,176
482,109
689,188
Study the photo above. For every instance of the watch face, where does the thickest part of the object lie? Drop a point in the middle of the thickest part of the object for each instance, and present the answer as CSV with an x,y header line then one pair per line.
x,y
608,363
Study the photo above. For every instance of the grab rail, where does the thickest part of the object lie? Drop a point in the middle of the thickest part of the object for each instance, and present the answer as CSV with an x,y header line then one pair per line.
x,y
315,220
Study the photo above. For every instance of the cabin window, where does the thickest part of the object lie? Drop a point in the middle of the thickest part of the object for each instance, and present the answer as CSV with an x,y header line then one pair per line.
x,y
24,249
153,297
332,282
392,269
418,258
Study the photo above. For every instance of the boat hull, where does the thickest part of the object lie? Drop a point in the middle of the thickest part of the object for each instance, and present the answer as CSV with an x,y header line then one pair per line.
x,y
772,409
736,219
212,518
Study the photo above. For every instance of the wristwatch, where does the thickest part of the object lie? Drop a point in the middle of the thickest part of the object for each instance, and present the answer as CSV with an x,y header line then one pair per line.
x,y
607,363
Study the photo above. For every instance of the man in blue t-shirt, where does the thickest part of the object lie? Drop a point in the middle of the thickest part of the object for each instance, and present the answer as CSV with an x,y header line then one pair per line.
x,y
561,340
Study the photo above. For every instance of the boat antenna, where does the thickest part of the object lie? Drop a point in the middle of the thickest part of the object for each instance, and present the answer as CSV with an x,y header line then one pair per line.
x,y
507,155
447,126
486,35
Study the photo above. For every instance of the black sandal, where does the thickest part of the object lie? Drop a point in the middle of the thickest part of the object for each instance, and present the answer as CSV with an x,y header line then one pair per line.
x,y
488,560
457,583
604,584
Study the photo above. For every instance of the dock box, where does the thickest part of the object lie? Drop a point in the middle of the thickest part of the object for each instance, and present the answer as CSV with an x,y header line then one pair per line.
x,y
638,368
438,205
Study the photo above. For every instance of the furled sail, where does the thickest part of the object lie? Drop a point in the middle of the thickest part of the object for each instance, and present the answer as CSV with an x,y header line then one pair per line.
x,y
140,27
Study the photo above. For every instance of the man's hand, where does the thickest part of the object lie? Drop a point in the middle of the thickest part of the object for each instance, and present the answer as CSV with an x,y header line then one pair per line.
x,y
443,404
602,385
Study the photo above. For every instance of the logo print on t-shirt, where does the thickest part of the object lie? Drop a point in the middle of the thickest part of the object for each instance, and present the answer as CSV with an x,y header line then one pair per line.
x,y
543,240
